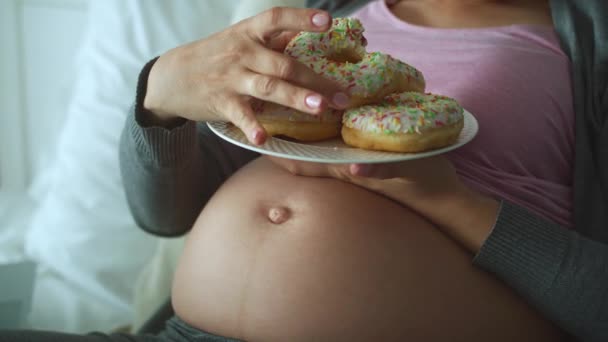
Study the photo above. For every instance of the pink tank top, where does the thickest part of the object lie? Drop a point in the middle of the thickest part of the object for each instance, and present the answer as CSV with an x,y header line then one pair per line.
x,y
516,81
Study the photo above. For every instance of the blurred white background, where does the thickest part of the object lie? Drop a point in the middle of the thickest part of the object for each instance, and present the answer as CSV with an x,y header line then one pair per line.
x,y
68,71
40,39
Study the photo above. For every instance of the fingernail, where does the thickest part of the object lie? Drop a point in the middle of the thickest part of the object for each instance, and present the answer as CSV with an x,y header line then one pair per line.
x,y
320,19
362,170
256,136
341,100
313,101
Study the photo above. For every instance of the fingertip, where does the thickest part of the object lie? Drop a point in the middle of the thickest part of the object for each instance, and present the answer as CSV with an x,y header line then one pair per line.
x,y
321,20
314,101
317,105
361,170
258,136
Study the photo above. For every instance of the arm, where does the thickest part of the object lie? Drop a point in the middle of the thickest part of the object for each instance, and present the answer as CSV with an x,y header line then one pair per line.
x,y
169,174
170,164
558,271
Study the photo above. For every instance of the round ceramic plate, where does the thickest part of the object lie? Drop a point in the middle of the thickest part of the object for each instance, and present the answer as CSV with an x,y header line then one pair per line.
x,y
334,151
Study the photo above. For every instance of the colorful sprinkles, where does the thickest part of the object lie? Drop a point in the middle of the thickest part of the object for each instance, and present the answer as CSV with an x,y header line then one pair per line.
x,y
372,71
273,111
408,112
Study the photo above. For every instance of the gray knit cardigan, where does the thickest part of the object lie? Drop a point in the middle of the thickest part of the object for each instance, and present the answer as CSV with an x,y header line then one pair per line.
x,y
170,174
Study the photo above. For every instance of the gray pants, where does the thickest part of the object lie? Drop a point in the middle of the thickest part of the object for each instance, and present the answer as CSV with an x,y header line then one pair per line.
x,y
175,330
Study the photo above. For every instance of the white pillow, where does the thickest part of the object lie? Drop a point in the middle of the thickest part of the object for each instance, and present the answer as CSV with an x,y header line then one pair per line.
x,y
83,230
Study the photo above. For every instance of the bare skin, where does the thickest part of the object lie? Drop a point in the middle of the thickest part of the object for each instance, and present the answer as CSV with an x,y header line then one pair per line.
x,y
214,78
333,259
344,264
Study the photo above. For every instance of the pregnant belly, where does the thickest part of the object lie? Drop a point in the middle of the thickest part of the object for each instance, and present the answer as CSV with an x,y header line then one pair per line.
x,y
276,257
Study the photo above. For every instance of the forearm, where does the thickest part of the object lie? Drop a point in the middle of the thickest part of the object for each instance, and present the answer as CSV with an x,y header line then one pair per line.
x,y
170,172
161,176
466,216
556,270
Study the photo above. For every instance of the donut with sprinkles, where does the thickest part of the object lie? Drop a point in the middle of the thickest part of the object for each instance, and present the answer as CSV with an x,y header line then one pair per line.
x,y
280,120
404,122
339,54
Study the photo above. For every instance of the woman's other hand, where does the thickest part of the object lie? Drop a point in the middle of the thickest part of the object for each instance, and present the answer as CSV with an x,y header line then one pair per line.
x,y
215,78
428,178
429,186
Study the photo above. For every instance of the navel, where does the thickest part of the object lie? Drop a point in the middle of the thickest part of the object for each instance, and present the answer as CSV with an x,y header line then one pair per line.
x,y
278,215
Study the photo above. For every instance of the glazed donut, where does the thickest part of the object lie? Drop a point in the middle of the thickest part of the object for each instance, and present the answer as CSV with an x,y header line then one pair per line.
x,y
339,54
405,122
279,120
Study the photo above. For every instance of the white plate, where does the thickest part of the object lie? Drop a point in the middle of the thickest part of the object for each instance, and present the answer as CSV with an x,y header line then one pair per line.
x,y
334,151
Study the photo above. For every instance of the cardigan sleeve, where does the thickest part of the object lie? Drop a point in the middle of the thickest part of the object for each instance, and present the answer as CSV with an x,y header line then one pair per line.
x,y
563,273
557,270
170,174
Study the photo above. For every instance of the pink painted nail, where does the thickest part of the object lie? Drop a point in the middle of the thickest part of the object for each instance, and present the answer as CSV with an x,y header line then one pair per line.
x,y
320,19
362,170
313,101
256,136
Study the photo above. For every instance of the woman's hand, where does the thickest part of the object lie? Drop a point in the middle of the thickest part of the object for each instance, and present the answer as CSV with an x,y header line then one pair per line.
x,y
215,78
429,186
427,178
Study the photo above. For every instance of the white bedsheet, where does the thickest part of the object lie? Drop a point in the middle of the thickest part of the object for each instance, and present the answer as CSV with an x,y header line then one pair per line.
x,y
57,303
